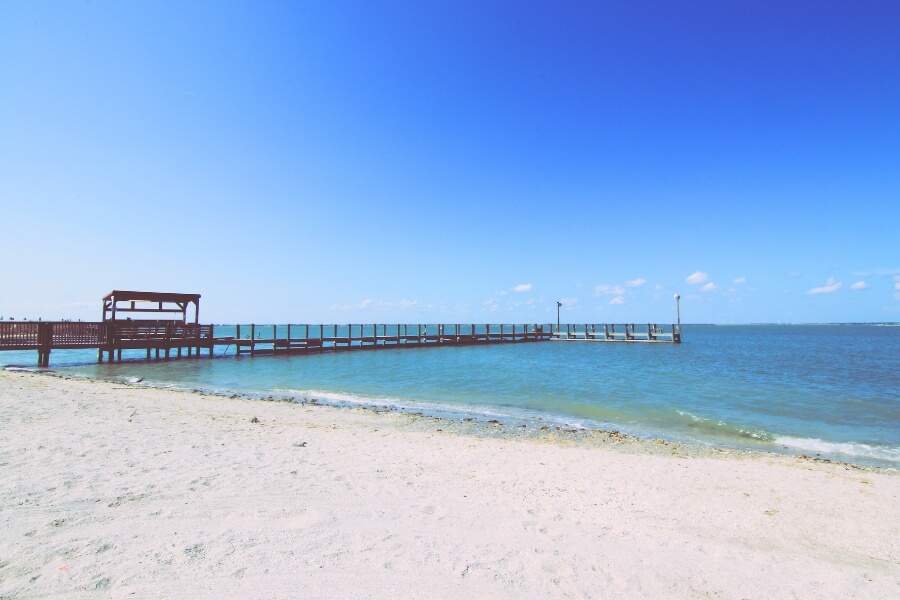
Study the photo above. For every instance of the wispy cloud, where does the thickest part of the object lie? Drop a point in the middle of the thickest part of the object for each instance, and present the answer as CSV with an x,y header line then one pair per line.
x,y
860,285
709,287
610,290
522,287
635,282
739,280
830,287
369,303
880,272
364,304
697,277
617,300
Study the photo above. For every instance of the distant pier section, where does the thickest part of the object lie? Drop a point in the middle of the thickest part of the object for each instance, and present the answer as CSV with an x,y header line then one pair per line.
x,y
179,337
624,333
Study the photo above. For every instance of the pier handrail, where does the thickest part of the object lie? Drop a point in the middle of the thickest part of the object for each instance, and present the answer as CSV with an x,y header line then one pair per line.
x,y
113,336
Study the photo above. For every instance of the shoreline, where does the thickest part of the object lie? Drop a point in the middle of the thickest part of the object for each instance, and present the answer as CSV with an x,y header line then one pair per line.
x,y
489,425
113,489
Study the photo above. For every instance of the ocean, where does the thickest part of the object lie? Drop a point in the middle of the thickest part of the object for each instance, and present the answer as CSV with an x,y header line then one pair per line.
x,y
831,391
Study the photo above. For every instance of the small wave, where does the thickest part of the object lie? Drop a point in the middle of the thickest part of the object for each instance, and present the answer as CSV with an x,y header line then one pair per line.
x,y
442,409
22,369
849,449
716,428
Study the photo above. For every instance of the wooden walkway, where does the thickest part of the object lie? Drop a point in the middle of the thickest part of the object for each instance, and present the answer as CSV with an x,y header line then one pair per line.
x,y
281,339
109,337
626,333
162,339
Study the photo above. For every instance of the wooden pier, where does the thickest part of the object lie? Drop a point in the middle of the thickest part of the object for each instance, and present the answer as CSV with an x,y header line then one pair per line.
x,y
159,337
626,333
165,338
282,339
170,339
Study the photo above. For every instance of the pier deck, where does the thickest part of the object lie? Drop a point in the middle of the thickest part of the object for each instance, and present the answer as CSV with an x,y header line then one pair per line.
x,y
626,333
162,339
281,339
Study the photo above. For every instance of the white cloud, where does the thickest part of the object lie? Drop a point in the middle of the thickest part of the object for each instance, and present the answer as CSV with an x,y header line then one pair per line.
x,y
698,277
611,290
895,273
569,301
617,300
860,285
831,286
522,287
739,280
709,287
636,282
364,304
368,303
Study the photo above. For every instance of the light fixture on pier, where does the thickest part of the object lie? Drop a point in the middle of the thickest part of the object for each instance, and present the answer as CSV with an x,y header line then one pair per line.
x,y
678,308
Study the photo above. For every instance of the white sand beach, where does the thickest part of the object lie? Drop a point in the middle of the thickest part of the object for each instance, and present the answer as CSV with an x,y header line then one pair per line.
x,y
116,491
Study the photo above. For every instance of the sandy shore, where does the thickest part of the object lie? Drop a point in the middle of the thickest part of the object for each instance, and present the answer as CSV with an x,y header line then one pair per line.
x,y
122,491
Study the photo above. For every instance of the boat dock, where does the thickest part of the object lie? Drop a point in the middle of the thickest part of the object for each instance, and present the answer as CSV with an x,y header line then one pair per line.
x,y
165,339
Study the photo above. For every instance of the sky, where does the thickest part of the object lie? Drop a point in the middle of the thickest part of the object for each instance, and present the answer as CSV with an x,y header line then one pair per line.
x,y
423,162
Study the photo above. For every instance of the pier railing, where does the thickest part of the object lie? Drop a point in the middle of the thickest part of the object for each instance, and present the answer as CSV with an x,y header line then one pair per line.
x,y
108,336
113,337
651,332
275,339
19,336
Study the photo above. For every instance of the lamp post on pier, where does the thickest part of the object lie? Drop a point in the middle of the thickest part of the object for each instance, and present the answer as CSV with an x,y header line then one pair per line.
x,y
678,308
558,304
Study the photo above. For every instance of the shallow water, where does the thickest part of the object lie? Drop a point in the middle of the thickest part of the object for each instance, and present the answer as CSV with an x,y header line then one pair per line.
x,y
832,390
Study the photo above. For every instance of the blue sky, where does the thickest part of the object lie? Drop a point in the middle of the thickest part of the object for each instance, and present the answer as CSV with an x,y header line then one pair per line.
x,y
453,162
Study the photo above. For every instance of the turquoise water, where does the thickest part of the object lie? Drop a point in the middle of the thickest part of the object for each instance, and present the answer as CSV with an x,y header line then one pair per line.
x,y
832,390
